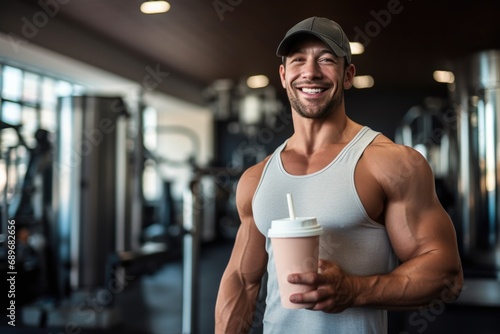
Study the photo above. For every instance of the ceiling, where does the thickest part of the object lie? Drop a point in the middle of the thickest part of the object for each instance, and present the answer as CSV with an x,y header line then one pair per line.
x,y
205,40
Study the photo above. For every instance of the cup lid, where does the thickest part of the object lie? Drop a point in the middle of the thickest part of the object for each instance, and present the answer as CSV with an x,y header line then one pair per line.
x,y
299,227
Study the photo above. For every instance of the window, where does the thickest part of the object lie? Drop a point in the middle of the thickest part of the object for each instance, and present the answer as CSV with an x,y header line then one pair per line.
x,y
28,101
12,79
151,178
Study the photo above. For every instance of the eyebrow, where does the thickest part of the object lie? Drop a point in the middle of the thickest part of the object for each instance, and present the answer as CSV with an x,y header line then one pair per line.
x,y
302,50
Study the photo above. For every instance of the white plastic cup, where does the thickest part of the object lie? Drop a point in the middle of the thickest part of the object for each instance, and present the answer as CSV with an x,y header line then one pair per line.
x,y
295,245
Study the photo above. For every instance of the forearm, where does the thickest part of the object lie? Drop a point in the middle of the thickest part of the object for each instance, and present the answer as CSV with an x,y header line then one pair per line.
x,y
236,303
413,284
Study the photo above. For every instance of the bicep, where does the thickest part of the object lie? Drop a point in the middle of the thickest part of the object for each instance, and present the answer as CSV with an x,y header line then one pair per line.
x,y
249,256
415,220
415,232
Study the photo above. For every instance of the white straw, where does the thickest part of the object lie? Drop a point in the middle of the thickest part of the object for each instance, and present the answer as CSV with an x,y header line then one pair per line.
x,y
291,209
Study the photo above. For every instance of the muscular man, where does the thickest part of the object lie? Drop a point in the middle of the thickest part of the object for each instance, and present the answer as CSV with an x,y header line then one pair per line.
x,y
387,242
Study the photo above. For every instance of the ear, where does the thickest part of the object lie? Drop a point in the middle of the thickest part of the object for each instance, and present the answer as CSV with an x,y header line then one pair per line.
x,y
349,74
282,76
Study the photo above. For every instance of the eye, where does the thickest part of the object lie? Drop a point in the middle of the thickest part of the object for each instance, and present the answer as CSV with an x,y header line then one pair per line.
x,y
327,60
296,59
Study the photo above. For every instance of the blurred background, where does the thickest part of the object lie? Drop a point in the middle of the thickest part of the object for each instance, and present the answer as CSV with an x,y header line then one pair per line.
x,y
124,132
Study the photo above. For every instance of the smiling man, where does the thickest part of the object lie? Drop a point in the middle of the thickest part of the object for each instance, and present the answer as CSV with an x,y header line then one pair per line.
x,y
387,242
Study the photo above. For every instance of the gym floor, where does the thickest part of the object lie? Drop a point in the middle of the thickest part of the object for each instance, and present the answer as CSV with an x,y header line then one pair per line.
x,y
152,304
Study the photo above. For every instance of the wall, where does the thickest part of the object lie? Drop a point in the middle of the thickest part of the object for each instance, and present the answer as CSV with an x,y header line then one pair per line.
x,y
185,131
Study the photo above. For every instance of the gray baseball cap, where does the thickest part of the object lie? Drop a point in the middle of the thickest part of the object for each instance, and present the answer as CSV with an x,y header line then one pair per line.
x,y
326,30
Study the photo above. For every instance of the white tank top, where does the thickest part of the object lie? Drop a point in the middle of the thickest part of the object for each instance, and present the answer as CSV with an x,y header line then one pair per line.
x,y
350,238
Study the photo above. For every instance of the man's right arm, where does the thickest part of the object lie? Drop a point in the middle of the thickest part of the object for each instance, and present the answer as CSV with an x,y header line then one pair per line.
x,y
241,280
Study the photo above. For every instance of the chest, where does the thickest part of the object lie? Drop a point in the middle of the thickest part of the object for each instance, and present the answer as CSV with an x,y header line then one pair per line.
x,y
300,164
329,194
366,187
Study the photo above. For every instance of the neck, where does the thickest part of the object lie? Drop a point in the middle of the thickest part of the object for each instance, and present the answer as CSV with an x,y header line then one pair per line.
x,y
312,135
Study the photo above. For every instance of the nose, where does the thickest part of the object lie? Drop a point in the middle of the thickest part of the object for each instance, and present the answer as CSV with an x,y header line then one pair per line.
x,y
311,69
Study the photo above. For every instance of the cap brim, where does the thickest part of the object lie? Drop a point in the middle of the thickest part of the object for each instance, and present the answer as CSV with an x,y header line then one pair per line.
x,y
284,47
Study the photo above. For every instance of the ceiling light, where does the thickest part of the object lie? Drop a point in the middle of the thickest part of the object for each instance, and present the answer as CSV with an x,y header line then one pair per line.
x,y
363,81
258,81
155,7
357,48
444,76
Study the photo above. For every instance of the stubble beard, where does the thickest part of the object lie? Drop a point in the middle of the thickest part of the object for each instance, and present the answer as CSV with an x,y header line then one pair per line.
x,y
317,112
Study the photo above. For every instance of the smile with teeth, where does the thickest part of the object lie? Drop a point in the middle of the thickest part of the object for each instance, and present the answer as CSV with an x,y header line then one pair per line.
x,y
312,90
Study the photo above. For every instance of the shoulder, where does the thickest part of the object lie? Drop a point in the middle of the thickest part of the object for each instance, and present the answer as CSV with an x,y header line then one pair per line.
x,y
247,186
385,151
396,166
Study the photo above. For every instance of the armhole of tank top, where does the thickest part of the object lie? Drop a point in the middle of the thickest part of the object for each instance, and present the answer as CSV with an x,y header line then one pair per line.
x,y
266,166
374,135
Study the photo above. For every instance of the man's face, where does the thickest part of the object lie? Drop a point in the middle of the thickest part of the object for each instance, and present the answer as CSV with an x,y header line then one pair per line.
x,y
314,78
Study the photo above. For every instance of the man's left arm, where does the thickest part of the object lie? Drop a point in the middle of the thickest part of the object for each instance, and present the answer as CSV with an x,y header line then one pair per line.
x,y
423,238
